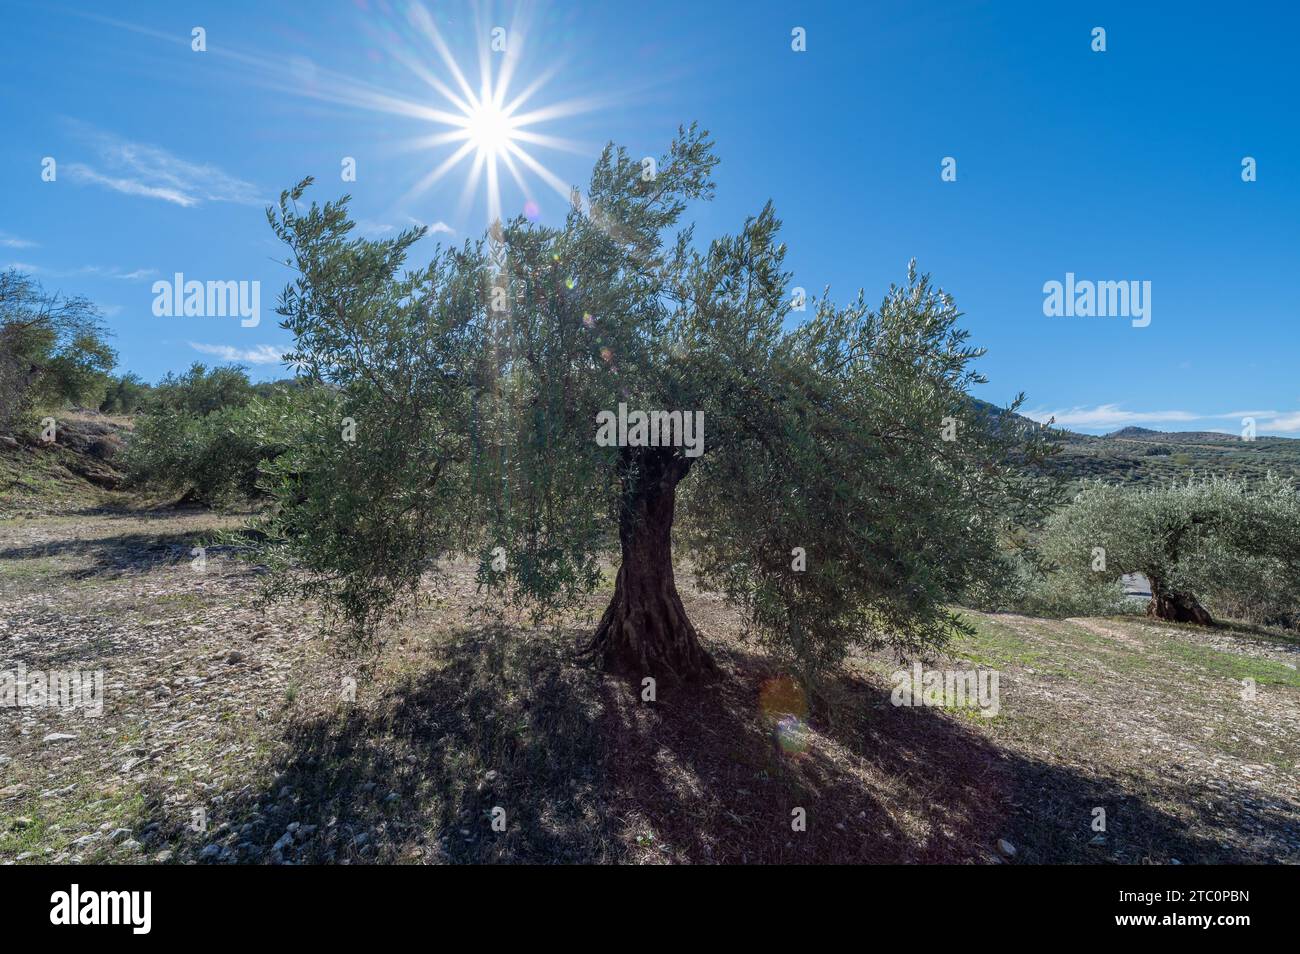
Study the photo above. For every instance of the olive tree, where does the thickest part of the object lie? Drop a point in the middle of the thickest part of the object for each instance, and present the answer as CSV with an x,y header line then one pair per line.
x,y
552,392
1191,539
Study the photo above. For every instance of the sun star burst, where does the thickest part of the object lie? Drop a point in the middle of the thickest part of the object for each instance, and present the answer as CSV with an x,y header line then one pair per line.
x,y
488,127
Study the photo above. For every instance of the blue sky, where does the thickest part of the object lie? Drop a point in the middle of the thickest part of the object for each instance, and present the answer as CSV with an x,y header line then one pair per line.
x,y
1123,165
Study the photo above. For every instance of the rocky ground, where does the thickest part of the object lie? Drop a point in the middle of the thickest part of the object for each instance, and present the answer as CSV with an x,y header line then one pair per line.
x,y
233,732
72,465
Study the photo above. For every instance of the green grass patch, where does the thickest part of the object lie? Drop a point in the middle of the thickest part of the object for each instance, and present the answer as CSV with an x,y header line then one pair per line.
x,y
995,645
57,822
31,568
1216,662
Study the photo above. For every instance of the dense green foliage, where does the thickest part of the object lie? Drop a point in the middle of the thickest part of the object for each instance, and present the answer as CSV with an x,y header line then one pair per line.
x,y
53,350
1229,544
125,394
372,486
474,384
201,390
209,458
832,441
206,433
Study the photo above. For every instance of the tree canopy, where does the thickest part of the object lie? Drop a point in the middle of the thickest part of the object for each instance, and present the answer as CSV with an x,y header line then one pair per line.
x,y
53,349
1191,539
845,491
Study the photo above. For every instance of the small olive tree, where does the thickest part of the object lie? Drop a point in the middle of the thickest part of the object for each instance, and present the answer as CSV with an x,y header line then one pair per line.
x,y
827,472
1196,539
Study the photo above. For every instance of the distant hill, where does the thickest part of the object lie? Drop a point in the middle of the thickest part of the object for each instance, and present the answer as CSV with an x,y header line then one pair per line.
x,y
1139,455
1135,432
1202,437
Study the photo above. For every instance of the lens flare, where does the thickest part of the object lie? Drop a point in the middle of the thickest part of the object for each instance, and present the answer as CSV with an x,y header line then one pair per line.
x,y
785,705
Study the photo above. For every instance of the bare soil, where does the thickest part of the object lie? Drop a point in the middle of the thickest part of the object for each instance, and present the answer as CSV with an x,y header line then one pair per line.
x,y
230,734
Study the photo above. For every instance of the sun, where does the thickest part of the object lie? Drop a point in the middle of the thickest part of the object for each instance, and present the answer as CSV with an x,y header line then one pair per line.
x,y
490,130
490,122
490,125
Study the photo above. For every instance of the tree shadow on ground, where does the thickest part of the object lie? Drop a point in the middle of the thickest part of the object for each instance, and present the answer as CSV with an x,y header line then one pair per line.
x,y
414,774
897,785
117,555
578,768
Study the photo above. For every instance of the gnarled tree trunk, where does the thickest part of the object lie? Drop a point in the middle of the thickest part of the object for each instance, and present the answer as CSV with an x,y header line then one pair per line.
x,y
1176,607
645,630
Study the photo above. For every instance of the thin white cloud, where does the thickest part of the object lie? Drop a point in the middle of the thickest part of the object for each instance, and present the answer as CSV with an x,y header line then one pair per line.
x,y
96,271
83,173
9,241
112,271
141,169
1288,423
1109,417
262,354
439,226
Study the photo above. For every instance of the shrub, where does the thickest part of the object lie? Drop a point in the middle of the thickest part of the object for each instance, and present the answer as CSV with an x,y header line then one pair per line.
x,y
124,394
214,459
202,390
53,350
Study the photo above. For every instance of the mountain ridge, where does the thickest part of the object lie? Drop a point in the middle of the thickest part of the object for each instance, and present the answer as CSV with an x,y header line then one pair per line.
x,y
1143,455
